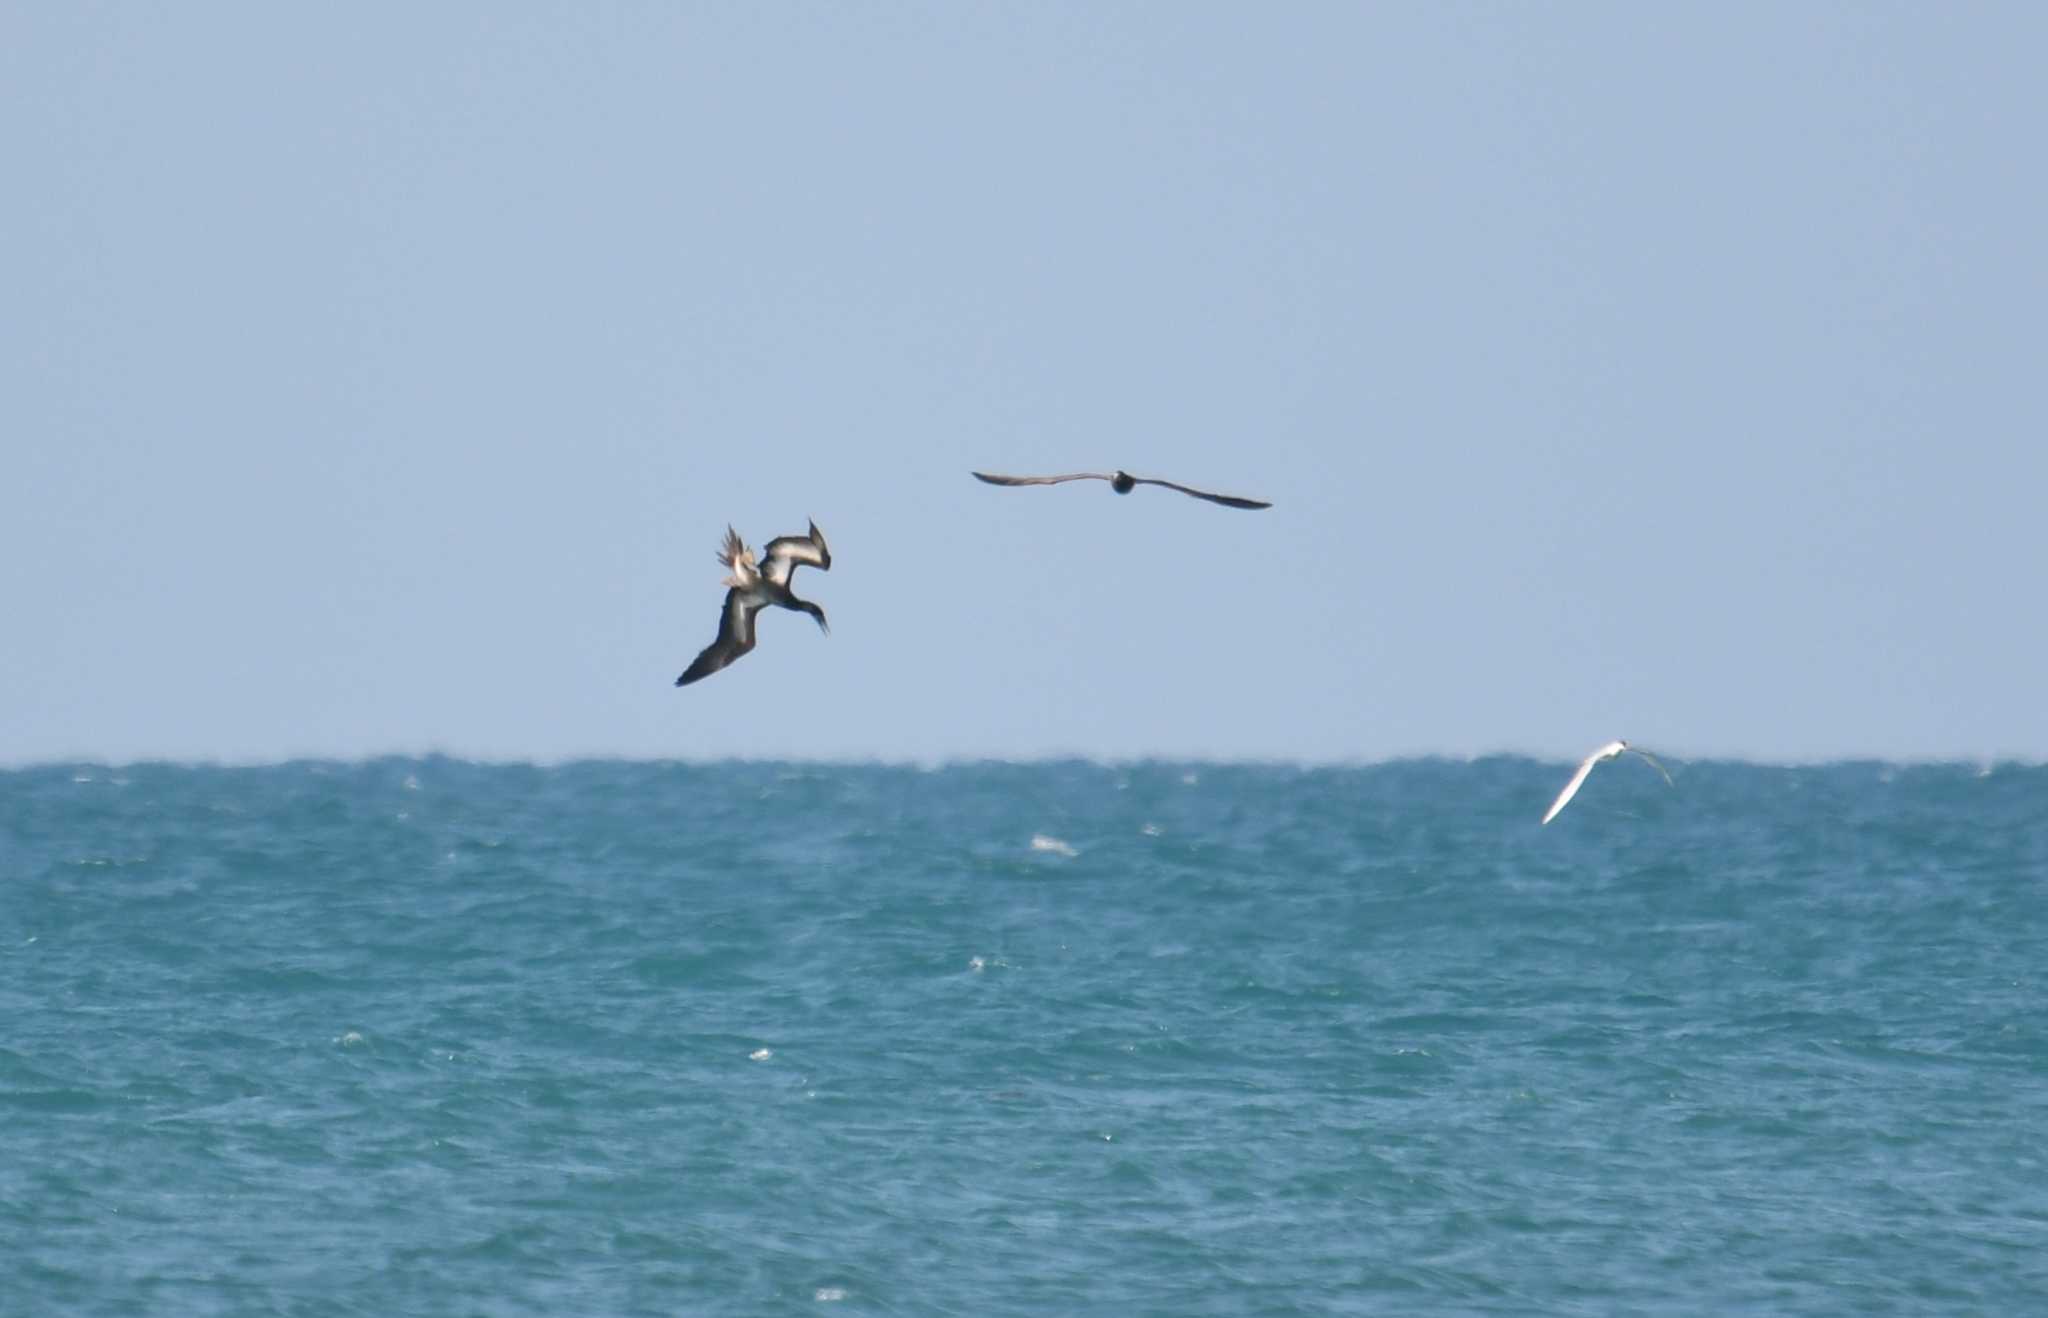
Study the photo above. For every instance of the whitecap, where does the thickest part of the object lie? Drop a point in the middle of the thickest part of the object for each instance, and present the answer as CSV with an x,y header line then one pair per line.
x,y
760,1054
1041,842
829,1294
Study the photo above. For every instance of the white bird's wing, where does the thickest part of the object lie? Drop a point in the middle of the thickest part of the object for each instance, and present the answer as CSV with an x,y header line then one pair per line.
x,y
1654,765
1571,789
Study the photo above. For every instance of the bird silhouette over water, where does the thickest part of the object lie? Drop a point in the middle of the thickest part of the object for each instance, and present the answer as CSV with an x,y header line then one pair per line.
x,y
753,587
1123,483
1611,750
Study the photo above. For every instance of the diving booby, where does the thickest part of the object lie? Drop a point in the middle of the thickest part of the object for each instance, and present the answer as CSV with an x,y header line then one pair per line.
x,y
753,587
1123,482
1607,752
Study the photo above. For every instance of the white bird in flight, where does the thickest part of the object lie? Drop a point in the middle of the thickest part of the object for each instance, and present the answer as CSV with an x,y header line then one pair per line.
x,y
1610,751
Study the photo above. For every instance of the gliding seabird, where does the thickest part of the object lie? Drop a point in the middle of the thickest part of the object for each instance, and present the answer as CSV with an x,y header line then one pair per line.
x,y
1122,482
1607,752
753,588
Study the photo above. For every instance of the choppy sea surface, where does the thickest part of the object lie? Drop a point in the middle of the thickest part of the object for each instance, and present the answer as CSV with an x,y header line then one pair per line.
x,y
432,1037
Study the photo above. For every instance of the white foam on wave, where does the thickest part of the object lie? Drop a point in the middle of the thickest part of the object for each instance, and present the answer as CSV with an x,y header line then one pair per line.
x,y
760,1054
829,1294
1041,842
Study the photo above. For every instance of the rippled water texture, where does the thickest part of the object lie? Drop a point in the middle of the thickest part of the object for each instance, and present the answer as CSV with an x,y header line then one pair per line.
x,y
428,1037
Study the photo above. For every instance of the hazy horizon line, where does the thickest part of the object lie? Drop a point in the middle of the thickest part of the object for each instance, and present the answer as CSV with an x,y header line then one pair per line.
x,y
935,763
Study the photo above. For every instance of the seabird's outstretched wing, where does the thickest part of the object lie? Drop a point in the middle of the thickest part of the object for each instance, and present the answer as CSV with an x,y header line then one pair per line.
x,y
785,553
1571,789
1042,480
1653,764
1227,500
735,636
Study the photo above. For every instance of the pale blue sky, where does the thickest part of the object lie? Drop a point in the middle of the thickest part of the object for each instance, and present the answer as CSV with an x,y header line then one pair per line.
x,y
382,377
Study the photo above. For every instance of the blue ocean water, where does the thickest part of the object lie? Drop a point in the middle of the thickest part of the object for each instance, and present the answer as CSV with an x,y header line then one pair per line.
x,y
432,1037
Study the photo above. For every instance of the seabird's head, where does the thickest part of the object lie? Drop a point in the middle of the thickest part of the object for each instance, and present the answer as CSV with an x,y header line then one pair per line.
x,y
1123,482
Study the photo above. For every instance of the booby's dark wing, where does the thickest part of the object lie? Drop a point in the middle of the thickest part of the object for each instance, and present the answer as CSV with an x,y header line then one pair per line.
x,y
735,636
1227,500
786,553
1042,480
